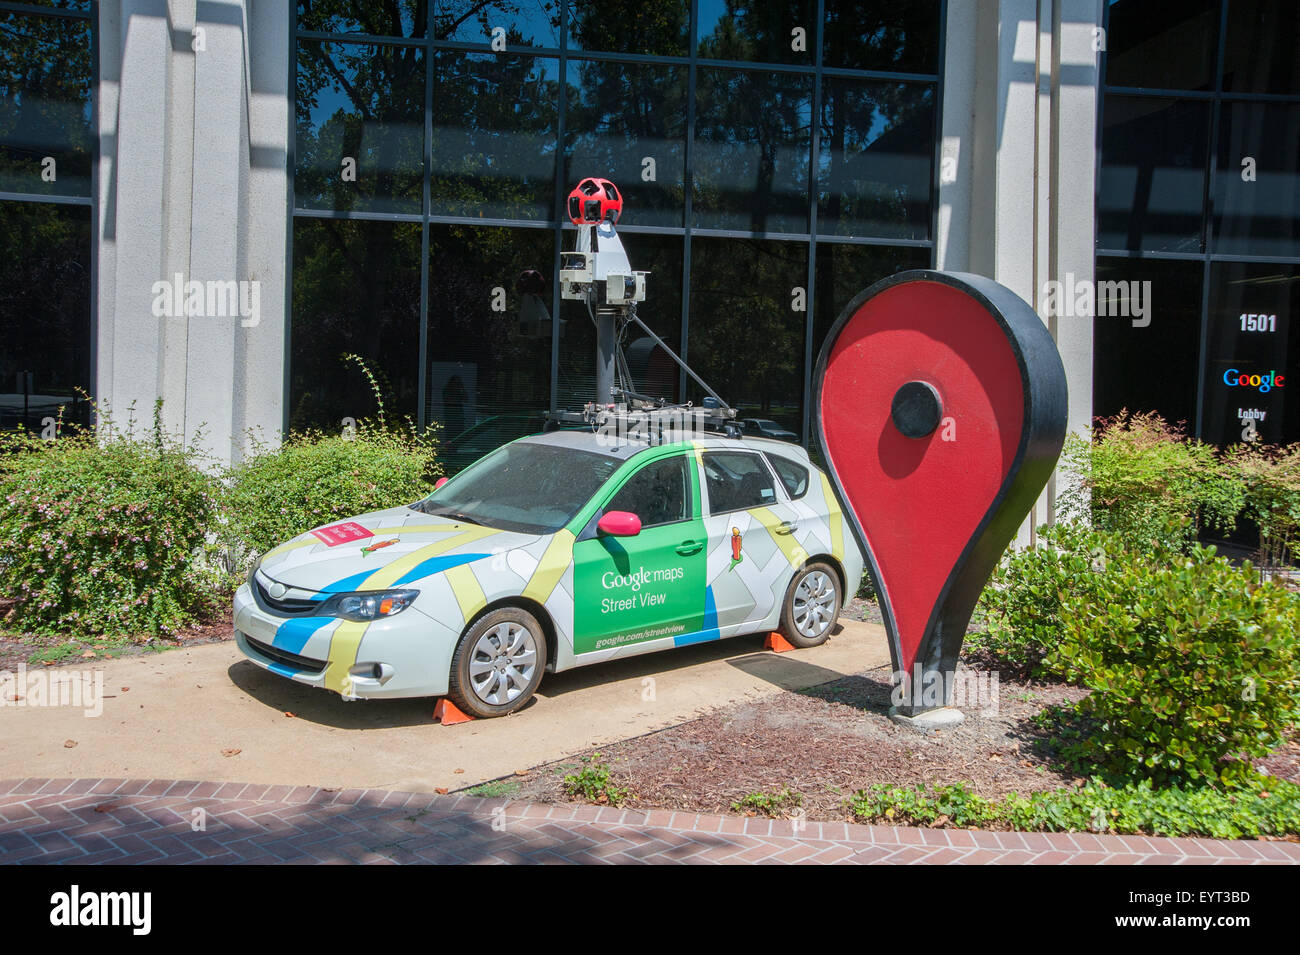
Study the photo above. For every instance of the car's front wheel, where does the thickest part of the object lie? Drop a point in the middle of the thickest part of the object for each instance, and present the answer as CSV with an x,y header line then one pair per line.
x,y
498,663
812,605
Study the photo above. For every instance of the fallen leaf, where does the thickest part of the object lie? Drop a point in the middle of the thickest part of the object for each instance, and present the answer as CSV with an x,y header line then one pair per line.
x,y
458,770
69,743
106,807
521,772
290,715
231,752
125,688
441,790
995,758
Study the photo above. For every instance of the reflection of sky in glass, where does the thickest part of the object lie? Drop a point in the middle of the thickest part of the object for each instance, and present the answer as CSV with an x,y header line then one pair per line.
x,y
526,22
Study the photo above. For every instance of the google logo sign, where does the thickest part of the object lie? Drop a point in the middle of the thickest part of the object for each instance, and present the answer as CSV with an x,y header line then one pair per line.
x,y
1264,383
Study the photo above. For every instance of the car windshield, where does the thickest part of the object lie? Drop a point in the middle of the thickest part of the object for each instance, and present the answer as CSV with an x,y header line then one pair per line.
x,y
526,487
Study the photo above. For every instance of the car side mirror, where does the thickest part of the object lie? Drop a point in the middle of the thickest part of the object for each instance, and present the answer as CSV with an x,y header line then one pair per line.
x,y
439,483
619,524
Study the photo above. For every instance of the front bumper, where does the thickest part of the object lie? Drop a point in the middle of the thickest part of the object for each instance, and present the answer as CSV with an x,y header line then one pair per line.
x,y
407,655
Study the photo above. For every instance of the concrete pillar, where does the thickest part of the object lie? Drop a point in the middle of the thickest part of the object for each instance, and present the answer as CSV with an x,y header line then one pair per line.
x,y
1019,130
193,146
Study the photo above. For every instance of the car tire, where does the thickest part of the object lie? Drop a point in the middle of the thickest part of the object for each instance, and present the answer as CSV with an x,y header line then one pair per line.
x,y
812,605
498,663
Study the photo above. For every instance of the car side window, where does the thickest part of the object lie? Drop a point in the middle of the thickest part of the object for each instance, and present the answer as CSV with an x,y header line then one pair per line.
x,y
735,481
658,494
793,476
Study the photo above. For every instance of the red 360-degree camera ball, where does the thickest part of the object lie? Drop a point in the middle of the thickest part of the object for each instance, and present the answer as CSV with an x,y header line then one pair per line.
x,y
594,201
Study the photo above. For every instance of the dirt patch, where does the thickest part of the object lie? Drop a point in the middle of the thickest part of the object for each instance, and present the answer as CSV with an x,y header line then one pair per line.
x,y
825,743
65,649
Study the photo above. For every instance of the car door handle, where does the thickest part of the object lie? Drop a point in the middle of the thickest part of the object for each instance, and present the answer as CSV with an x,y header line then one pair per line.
x,y
686,548
787,527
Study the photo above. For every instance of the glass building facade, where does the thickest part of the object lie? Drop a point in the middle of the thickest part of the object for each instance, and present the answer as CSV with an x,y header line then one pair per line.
x,y
1199,195
775,159
47,148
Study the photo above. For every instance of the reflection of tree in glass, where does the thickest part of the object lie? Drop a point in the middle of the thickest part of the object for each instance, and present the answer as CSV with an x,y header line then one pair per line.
x,y
877,144
45,103
745,340
45,297
356,288
378,122
649,27
495,130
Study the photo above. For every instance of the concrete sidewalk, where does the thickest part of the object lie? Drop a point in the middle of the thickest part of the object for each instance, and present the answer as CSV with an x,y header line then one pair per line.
x,y
89,821
207,713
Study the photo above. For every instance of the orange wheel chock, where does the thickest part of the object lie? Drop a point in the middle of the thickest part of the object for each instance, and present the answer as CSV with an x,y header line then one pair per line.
x,y
449,714
778,644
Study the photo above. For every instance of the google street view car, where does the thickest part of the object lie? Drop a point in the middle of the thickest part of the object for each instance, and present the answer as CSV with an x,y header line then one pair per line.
x,y
555,551
567,548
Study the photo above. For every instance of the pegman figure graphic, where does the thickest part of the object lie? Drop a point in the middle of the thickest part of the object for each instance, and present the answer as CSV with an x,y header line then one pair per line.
x,y
736,556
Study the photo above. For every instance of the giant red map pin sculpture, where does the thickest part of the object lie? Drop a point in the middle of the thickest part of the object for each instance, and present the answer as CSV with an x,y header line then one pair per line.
x,y
940,405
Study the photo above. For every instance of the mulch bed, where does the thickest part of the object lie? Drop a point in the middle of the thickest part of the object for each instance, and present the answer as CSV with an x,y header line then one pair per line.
x,y
824,743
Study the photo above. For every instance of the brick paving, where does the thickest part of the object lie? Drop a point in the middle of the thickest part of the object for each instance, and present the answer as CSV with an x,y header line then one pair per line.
x,y
90,821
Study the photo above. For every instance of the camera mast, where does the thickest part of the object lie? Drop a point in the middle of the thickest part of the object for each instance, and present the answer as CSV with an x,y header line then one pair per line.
x,y
599,273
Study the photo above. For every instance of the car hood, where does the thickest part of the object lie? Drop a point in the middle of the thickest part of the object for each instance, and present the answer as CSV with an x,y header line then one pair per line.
x,y
405,545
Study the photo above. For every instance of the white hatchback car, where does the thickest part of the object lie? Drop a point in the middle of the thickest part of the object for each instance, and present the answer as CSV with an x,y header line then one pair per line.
x,y
552,552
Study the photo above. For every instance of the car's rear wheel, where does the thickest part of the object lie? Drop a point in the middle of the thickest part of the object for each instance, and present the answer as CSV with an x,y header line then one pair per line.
x,y
812,605
498,663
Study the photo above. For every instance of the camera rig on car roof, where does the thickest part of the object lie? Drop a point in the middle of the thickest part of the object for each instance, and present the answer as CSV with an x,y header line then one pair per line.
x,y
599,273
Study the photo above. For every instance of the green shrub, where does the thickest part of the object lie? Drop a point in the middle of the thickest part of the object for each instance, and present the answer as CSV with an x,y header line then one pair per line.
x,y
1033,590
776,805
593,783
1260,806
1145,481
1272,479
312,479
1190,662
104,531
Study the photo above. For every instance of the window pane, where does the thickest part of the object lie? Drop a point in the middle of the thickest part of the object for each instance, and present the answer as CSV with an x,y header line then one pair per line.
x,y
1260,216
46,79
1162,44
648,27
626,123
356,289
658,493
523,22
736,481
752,148
494,135
876,164
653,371
1151,189
1149,367
44,313
901,36
404,18
757,30
360,142
746,338
489,340
1260,54
1250,344
793,476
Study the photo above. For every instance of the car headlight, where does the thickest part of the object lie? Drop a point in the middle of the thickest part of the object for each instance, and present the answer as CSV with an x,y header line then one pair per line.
x,y
368,604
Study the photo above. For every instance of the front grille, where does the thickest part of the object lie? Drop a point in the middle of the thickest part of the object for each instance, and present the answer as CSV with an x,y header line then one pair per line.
x,y
297,661
285,607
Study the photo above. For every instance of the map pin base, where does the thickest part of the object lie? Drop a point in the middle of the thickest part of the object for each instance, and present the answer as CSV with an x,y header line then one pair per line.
x,y
940,405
